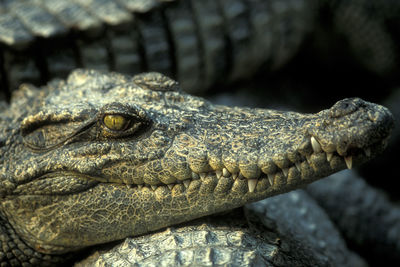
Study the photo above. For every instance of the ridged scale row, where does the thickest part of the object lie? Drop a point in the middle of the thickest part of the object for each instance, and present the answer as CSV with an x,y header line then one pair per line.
x,y
198,42
197,245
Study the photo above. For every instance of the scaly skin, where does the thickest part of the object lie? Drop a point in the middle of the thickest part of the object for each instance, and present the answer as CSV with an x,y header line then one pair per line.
x,y
200,43
70,180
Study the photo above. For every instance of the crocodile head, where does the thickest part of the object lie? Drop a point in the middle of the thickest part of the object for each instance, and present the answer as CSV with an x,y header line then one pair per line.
x,y
100,157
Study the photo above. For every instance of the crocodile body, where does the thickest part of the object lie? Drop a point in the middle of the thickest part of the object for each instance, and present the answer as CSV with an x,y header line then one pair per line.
x,y
199,43
240,239
354,212
100,157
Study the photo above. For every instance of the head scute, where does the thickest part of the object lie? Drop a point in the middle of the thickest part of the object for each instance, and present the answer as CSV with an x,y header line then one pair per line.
x,y
94,80
155,81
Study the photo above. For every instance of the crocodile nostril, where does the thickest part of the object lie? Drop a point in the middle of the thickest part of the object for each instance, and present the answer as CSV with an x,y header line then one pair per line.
x,y
345,107
373,116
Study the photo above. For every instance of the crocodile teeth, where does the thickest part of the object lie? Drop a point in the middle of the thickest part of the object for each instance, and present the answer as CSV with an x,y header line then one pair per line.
x,y
234,175
252,183
140,186
329,156
271,178
367,152
315,145
154,187
285,171
170,186
203,175
308,158
349,161
225,172
218,173
186,183
298,166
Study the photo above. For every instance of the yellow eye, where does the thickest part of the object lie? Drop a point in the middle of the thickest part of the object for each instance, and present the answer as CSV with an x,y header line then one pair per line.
x,y
115,122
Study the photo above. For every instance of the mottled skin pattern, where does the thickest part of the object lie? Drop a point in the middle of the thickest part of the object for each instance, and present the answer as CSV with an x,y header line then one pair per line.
x,y
71,179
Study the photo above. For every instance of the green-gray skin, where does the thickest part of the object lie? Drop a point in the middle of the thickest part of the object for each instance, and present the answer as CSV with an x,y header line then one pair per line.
x,y
69,179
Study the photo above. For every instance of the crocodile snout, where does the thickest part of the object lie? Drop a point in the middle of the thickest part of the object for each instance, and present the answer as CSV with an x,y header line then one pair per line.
x,y
346,106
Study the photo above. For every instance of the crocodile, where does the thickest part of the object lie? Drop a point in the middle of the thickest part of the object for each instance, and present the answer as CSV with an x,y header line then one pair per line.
x,y
103,156
199,43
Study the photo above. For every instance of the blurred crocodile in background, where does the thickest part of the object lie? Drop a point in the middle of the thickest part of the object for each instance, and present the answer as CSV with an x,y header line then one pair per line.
x,y
199,43
308,54
101,157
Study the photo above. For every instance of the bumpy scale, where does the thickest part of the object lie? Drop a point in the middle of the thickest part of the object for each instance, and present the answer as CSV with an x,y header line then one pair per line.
x,y
100,157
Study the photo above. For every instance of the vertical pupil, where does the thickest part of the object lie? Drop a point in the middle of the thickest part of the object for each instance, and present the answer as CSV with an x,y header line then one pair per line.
x,y
115,122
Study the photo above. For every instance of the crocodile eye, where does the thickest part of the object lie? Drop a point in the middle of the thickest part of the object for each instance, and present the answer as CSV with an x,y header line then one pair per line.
x,y
116,122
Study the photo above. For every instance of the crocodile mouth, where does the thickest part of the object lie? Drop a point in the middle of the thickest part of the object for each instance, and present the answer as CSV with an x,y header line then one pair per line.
x,y
310,163
57,183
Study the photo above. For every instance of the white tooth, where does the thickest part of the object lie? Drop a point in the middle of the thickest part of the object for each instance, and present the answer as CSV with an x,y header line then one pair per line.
x,y
271,178
349,161
252,183
308,158
195,176
170,186
298,166
285,171
218,173
234,175
315,145
329,156
140,186
203,175
154,187
367,152
225,172
186,183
